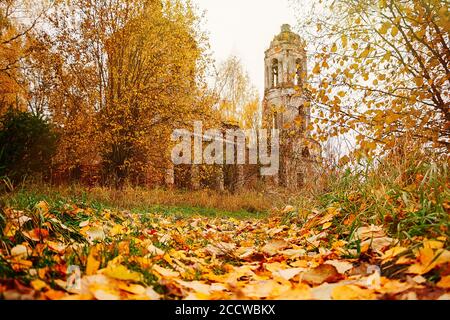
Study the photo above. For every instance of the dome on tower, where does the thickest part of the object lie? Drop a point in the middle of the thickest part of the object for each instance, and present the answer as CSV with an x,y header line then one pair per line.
x,y
287,36
286,28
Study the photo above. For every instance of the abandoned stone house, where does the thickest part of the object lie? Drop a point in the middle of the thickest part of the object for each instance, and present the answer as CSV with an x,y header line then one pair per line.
x,y
285,66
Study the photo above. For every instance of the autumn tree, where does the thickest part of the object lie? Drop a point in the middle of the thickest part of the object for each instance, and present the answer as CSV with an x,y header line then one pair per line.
x,y
152,85
128,72
238,99
381,71
9,88
12,47
18,21
61,79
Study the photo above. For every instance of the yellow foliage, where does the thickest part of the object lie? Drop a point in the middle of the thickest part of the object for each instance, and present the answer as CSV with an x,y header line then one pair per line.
x,y
316,69
398,64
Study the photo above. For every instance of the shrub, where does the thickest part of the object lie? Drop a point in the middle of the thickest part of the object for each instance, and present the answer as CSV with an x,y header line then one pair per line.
x,y
27,144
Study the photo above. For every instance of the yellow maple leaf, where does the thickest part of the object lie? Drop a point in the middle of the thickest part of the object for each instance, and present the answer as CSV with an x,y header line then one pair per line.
x,y
165,272
394,31
121,272
92,264
365,53
334,47
391,253
38,284
327,225
444,282
316,69
385,27
116,230
43,207
352,292
132,288
344,40
418,81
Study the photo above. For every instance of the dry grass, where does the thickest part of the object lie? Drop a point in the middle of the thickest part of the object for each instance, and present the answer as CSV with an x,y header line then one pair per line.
x,y
147,199
132,197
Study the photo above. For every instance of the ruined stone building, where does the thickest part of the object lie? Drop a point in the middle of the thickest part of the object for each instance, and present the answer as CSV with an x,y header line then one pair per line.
x,y
285,109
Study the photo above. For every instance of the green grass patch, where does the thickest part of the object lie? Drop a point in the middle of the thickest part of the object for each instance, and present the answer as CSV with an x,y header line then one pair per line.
x,y
26,199
410,199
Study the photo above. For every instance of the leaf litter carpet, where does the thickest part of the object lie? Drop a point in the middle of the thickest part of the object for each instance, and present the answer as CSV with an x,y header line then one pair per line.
x,y
82,253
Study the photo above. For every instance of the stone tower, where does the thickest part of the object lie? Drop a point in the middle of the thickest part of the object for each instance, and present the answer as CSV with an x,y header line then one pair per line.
x,y
284,103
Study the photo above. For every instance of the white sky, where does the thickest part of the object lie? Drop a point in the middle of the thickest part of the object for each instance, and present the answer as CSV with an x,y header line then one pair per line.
x,y
245,28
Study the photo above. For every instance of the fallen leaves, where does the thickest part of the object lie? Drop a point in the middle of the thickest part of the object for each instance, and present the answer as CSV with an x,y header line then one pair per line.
x,y
93,261
372,237
19,251
95,234
391,253
220,248
322,273
120,272
202,258
36,234
273,247
341,266
164,272
444,282
154,250
352,292
428,259
38,284
288,274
